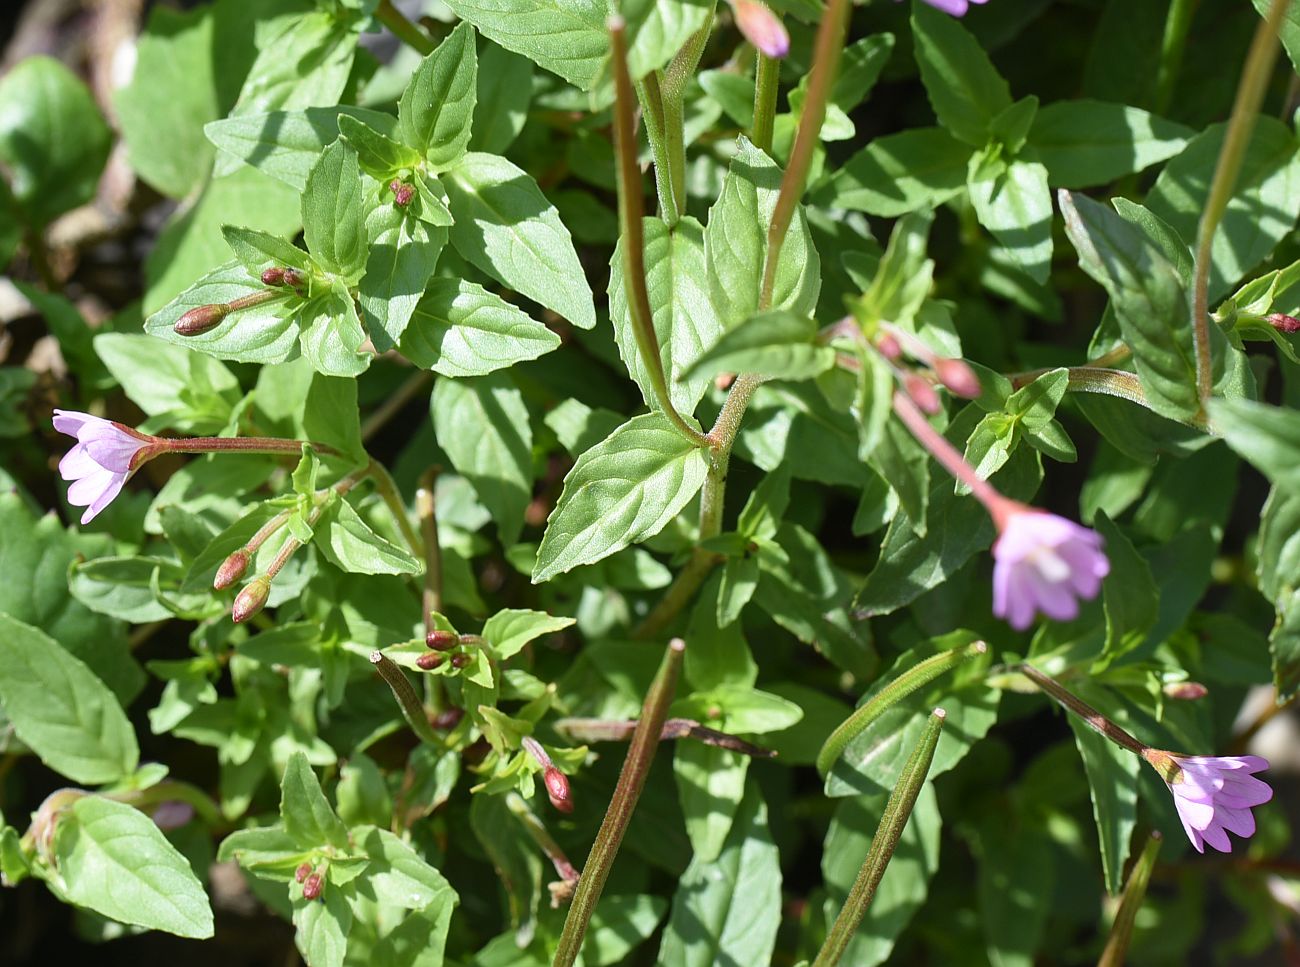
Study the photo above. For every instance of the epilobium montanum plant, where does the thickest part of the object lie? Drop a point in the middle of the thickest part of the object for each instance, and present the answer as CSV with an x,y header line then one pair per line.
x,y
535,482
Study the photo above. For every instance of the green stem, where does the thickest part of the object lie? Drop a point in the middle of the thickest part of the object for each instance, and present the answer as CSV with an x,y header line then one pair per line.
x,y
387,489
905,684
892,823
1245,111
403,29
633,243
1098,722
394,403
653,110
826,61
241,444
426,510
404,692
766,77
1135,891
636,767
542,837
1177,23
677,75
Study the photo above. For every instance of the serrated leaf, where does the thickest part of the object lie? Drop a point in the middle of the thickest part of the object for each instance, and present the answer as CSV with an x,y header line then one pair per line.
x,y
900,173
333,225
964,87
379,155
330,334
195,392
1085,142
307,815
114,860
404,252
61,710
506,227
458,328
303,60
1016,206
436,111
1113,777
777,343
348,543
710,786
623,490
508,631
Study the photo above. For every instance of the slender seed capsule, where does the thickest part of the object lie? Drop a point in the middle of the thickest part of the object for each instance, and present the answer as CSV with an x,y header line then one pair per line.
x,y
232,569
200,319
441,640
250,600
429,660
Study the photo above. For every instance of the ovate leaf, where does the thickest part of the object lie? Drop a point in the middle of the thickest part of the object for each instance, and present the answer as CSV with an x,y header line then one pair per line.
x,y
437,108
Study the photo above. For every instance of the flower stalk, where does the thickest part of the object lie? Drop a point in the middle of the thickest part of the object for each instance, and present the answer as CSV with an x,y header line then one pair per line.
x,y
892,823
537,830
1135,891
403,29
636,767
767,74
620,730
905,684
1095,720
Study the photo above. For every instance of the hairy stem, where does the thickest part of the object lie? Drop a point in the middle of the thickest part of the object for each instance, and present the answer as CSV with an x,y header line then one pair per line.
x,y
1098,722
620,730
636,767
403,29
945,452
1135,891
767,74
387,489
1177,23
650,94
1245,111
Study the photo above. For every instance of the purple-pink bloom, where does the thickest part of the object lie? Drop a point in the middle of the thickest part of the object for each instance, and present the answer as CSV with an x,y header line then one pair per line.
x,y
1043,562
102,461
957,8
1214,794
761,27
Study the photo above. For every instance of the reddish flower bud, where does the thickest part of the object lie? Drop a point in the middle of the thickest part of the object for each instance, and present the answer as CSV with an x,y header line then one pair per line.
x,y
301,872
273,276
460,660
200,319
922,393
402,192
761,27
312,886
250,600
441,640
448,719
294,279
231,570
888,346
1284,323
1186,691
429,661
958,377
557,789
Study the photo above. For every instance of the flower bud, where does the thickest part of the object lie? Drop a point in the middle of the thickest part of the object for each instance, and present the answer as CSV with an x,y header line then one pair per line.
x,y
429,660
922,393
441,640
1284,323
231,570
250,600
761,27
448,719
557,789
200,319
402,192
888,346
172,814
301,872
1185,691
273,276
460,660
312,886
294,279
958,377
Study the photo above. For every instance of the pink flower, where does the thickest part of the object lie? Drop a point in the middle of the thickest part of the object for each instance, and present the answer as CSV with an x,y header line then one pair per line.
x,y
761,27
957,8
104,458
1042,563
1213,794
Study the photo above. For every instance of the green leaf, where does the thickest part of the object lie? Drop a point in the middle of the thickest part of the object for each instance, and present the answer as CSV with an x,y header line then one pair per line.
x,y
332,220
308,819
899,173
1260,213
53,140
404,252
113,859
727,909
1016,206
1267,436
483,426
330,333
322,927
567,37
127,588
1149,301
1289,30
303,60
505,90
905,466
378,155
458,328
196,393
436,112
1277,567
258,250
510,630
684,320
623,490
57,706
286,144
348,543
904,275
776,343
860,65
171,96
735,243
1113,778
1130,593
513,854
964,87
1017,869
507,228
903,888
1085,143
710,786
330,416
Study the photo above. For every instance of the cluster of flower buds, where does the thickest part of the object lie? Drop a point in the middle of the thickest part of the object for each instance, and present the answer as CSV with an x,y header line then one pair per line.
x,y
894,342
555,781
402,192
312,882
279,282
449,647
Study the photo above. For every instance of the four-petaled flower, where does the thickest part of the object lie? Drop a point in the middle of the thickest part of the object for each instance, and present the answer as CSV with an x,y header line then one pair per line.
x,y
104,458
1043,562
1213,794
